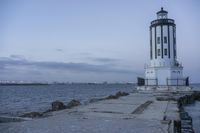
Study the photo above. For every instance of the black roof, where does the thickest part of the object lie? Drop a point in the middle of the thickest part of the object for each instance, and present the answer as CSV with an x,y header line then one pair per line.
x,y
162,11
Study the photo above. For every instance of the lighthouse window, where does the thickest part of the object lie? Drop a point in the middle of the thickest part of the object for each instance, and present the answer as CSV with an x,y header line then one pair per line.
x,y
158,40
165,39
158,52
165,51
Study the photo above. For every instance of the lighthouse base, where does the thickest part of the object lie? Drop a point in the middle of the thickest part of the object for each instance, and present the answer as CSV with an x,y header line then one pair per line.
x,y
164,88
165,76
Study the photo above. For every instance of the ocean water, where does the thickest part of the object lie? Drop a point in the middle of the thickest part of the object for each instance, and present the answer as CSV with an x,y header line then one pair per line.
x,y
18,99
195,87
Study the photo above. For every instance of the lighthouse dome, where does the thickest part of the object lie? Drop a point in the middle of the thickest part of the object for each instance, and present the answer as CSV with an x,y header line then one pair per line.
x,y
162,14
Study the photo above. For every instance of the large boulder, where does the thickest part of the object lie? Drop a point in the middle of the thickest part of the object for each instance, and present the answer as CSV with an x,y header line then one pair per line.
x,y
73,103
32,115
112,97
57,105
117,95
196,95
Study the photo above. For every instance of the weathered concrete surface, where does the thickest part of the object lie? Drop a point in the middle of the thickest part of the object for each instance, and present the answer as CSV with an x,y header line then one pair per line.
x,y
136,113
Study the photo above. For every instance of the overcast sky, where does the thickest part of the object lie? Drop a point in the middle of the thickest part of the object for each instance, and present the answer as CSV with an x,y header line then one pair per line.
x,y
90,40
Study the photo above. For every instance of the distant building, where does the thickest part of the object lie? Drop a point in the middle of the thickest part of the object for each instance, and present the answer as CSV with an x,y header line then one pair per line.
x,y
163,69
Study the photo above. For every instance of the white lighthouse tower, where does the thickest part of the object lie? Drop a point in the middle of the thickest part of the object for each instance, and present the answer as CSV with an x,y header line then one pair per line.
x,y
163,69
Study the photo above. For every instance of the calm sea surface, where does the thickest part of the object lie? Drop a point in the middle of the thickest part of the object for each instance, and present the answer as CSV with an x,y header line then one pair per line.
x,y
16,100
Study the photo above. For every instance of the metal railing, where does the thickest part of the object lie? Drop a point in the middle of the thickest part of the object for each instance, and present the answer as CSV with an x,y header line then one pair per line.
x,y
169,82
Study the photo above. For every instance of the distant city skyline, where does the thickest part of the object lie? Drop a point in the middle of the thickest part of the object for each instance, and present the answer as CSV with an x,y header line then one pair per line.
x,y
90,41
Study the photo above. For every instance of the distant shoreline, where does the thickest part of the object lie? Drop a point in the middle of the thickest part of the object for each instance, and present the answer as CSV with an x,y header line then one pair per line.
x,y
26,84
14,84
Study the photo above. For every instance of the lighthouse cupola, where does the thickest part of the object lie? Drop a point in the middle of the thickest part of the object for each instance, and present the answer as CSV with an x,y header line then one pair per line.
x,y
162,14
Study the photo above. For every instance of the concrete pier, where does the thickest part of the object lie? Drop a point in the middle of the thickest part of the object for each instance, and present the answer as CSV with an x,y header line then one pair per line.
x,y
139,112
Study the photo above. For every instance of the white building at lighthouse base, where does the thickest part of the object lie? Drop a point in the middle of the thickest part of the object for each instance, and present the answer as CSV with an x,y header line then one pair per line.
x,y
164,75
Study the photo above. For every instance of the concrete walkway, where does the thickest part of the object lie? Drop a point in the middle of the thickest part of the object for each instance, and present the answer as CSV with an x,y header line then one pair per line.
x,y
135,113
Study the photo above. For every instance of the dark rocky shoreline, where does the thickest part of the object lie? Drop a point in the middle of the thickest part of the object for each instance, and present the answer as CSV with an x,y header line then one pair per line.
x,y
55,106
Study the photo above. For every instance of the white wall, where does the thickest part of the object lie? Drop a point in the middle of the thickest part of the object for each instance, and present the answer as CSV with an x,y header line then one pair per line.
x,y
164,73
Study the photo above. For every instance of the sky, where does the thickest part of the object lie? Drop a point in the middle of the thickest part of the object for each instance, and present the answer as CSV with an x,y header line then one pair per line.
x,y
90,40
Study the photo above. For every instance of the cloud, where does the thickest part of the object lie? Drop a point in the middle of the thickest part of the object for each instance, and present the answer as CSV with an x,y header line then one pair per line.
x,y
59,50
20,57
17,68
16,62
104,60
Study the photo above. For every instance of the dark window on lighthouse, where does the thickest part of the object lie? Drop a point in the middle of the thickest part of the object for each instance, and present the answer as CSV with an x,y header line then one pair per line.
x,y
158,40
165,51
165,39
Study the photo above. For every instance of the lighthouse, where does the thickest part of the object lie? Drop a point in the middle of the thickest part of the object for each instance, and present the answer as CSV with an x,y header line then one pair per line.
x,y
163,68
